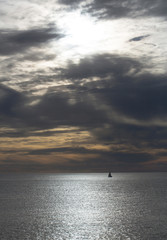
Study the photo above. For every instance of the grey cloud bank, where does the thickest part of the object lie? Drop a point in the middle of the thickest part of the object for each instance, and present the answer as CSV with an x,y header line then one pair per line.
x,y
119,9
13,42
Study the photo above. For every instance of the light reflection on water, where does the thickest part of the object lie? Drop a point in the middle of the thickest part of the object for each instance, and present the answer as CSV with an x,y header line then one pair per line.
x,y
83,206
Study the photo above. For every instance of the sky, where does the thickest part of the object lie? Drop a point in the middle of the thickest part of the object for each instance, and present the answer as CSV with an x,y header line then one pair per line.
x,y
83,85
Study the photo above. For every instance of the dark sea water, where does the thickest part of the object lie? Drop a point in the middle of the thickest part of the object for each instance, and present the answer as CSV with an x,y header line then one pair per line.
x,y
83,206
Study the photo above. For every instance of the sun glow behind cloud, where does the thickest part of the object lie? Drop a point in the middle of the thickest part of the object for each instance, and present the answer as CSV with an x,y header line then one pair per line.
x,y
84,35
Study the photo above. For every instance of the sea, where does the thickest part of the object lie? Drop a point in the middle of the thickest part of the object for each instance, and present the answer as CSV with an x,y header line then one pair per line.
x,y
128,206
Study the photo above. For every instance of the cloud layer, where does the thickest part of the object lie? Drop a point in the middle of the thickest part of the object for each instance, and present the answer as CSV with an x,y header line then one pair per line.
x,y
124,105
67,104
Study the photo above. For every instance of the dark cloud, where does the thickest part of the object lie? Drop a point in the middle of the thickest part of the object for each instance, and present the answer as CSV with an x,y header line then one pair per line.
x,y
133,101
9,101
3,79
126,136
139,38
101,162
137,98
47,151
112,160
70,2
68,109
51,110
125,106
109,9
101,66
127,157
120,92
12,42
123,85
35,56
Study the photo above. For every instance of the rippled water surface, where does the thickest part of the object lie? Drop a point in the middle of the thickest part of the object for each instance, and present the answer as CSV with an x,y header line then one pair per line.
x,y
83,206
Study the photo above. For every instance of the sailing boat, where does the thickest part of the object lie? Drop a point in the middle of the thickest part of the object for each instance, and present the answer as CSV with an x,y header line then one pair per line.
x,y
109,175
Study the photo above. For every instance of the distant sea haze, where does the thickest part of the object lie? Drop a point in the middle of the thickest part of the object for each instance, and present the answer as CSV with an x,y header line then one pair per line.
x,y
128,206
